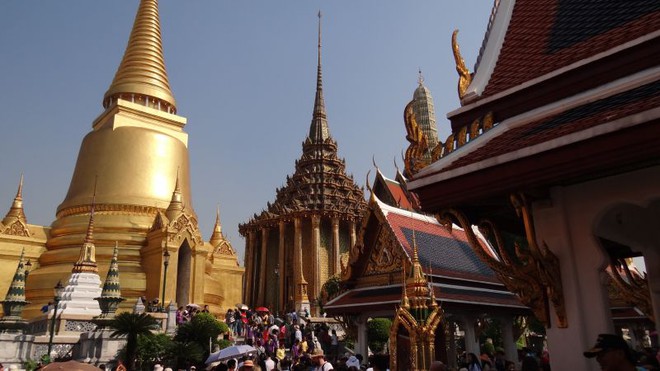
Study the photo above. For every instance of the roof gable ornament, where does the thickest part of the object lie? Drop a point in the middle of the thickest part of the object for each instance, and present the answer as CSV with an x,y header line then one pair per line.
x,y
464,75
16,211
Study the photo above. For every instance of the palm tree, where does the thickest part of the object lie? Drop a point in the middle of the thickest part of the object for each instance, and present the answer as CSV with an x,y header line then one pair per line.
x,y
131,325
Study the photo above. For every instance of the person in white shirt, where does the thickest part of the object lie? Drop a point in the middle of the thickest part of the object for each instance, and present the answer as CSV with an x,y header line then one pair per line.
x,y
270,364
318,359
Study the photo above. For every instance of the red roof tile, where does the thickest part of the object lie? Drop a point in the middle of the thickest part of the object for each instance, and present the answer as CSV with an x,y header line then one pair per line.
x,y
446,253
545,35
580,118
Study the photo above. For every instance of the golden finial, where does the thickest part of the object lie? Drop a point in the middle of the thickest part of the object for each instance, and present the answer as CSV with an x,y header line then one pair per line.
x,y
141,76
319,131
87,260
420,78
16,211
216,237
404,289
176,204
464,76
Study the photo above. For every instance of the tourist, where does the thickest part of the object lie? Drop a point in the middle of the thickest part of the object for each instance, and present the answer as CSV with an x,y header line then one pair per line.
x,y
268,363
281,352
473,363
247,365
530,363
295,350
231,365
46,308
438,366
612,353
230,320
206,309
509,366
318,360
179,316
334,345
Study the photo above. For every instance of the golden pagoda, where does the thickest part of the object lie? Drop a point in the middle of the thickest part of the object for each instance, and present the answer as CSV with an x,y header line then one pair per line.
x,y
412,335
297,243
137,155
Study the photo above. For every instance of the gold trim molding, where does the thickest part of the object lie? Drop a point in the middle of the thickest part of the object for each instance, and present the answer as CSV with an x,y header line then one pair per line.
x,y
533,273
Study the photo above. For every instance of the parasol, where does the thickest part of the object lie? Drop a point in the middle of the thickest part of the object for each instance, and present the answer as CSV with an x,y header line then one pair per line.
x,y
233,351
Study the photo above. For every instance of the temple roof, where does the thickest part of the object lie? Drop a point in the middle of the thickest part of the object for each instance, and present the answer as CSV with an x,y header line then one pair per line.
x,y
320,183
527,39
442,252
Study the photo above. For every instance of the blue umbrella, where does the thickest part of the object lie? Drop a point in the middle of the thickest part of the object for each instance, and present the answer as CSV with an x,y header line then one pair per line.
x,y
233,351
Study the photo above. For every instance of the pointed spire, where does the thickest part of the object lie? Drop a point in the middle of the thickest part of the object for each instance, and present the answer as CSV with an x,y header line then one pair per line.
x,y
141,76
16,211
216,237
176,204
319,131
111,294
87,260
16,292
420,78
111,286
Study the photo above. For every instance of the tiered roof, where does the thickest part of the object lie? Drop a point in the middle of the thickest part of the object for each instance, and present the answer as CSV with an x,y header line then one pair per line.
x,y
456,274
319,184
560,92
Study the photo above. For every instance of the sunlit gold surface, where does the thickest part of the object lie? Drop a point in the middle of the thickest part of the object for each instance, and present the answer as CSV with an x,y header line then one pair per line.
x,y
142,70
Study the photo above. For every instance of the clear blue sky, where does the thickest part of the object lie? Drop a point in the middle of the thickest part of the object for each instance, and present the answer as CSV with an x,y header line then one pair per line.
x,y
243,74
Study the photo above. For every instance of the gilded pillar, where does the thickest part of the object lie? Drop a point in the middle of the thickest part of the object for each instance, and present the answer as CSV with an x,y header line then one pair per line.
x,y
300,297
316,250
282,271
250,252
353,233
263,269
197,277
336,265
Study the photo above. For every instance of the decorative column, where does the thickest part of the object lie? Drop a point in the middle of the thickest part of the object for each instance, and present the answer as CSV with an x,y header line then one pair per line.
x,y
282,266
471,341
262,271
250,277
362,341
451,339
248,270
336,265
300,297
510,349
316,250
353,234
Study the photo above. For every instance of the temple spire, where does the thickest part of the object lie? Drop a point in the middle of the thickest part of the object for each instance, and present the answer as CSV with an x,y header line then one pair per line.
x,y
216,237
87,260
16,211
141,76
318,131
176,204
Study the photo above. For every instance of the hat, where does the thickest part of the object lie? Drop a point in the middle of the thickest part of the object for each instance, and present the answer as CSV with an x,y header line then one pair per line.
x,y
158,367
605,342
318,352
353,361
248,363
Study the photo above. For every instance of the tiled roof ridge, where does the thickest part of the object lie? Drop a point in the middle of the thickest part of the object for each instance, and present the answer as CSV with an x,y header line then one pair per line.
x,y
528,51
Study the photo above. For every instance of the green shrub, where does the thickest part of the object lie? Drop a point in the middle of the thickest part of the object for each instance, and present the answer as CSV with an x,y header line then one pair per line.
x,y
378,332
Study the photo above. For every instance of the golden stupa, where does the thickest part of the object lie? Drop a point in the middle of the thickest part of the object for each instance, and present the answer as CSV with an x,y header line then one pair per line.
x,y
137,155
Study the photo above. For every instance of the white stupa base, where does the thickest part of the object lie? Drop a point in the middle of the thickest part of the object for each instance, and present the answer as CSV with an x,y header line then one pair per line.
x,y
79,294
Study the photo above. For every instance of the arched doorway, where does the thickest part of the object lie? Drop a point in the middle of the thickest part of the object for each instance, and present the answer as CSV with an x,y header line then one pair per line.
x,y
184,272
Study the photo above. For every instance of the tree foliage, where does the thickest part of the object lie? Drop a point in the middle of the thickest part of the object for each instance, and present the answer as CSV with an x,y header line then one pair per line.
x,y
199,330
132,325
378,332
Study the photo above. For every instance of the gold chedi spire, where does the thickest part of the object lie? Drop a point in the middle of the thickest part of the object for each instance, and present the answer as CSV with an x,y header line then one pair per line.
x,y
141,76
87,260
176,204
216,237
319,131
16,211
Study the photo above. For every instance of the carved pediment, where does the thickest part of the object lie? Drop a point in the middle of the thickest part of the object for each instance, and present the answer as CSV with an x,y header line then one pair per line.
x,y
224,248
16,228
386,256
185,225
160,222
